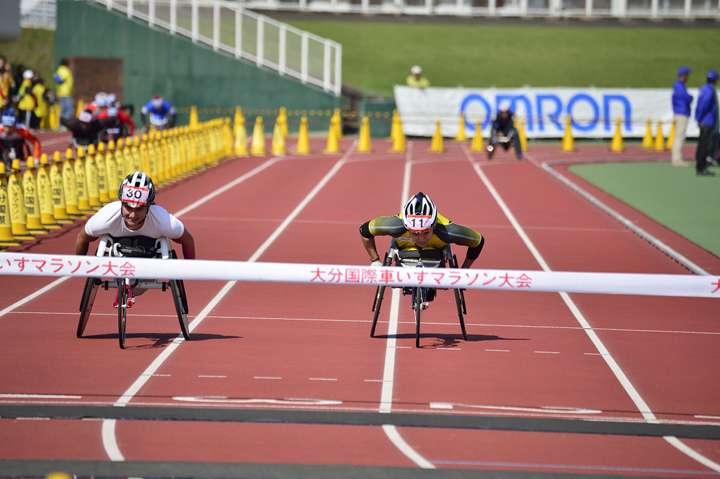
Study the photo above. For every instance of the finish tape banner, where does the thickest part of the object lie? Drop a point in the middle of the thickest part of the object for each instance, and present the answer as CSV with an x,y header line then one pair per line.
x,y
594,111
505,280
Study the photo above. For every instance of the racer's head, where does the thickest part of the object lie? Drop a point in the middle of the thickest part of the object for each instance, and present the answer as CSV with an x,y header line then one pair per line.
x,y
100,99
157,101
85,118
504,108
419,217
137,194
110,99
9,119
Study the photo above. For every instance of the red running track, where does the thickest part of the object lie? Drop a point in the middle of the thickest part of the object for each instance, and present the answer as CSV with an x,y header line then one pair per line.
x,y
298,348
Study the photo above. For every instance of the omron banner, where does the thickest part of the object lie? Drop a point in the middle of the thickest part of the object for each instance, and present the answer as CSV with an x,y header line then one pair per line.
x,y
594,112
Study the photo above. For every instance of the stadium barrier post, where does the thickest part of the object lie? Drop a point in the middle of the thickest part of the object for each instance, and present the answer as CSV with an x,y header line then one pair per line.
x,y
6,233
523,136
241,149
364,142
257,148
193,116
81,182
338,124
282,120
111,169
568,144
278,140
332,140
44,192
399,139
30,199
436,145
102,177
58,191
135,150
303,144
18,214
671,136
393,126
70,185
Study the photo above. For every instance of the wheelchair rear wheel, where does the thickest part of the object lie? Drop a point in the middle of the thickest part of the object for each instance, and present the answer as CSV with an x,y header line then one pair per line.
x,y
122,311
459,300
379,293
178,292
86,304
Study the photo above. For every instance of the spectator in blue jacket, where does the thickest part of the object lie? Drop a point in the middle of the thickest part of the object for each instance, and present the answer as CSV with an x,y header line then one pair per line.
x,y
706,115
681,101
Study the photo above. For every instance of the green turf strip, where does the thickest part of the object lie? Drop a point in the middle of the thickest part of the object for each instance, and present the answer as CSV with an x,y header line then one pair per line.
x,y
674,197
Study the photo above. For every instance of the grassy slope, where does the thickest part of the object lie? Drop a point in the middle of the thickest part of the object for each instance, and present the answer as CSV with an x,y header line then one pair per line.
x,y
513,56
36,49
674,197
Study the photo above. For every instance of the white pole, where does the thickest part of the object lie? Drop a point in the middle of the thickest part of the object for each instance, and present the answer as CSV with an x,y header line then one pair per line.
x,y
688,4
109,4
654,8
130,8
492,4
326,66
338,70
194,16
281,48
260,39
238,33
589,7
304,58
365,6
173,16
216,26
151,12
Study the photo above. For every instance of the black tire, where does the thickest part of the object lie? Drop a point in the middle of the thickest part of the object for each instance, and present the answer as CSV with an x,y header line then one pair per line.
x,y
122,311
86,303
459,301
178,292
418,296
378,302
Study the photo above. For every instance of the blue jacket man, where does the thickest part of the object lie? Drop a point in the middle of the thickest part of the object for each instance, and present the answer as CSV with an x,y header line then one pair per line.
x,y
706,115
681,101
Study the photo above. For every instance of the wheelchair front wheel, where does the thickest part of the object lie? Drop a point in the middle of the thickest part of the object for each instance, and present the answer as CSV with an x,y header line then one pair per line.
x,y
417,306
86,304
122,311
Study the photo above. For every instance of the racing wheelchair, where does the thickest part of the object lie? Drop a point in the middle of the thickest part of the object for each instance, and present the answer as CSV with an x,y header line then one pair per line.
x,y
130,288
421,295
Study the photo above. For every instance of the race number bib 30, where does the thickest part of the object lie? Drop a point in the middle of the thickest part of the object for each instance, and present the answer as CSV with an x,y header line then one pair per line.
x,y
133,194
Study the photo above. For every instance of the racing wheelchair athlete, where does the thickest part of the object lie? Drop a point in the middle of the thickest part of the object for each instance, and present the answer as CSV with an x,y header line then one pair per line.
x,y
421,239
503,132
134,227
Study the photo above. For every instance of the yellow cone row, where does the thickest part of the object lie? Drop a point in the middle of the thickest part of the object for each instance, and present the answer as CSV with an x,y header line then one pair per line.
x,y
44,194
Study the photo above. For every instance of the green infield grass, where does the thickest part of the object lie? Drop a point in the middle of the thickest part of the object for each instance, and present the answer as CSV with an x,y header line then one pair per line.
x,y
514,56
674,197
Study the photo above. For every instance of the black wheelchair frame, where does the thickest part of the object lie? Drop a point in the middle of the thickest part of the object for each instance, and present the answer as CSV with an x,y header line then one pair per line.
x,y
419,293
127,287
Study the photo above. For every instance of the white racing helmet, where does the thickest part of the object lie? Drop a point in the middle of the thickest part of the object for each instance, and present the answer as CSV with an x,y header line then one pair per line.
x,y
419,213
137,190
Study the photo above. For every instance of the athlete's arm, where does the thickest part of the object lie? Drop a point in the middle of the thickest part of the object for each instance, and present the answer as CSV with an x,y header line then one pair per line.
x,y
464,236
83,242
188,244
27,136
383,226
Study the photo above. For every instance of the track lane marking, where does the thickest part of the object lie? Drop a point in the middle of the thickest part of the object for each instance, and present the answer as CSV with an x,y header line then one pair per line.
x,y
640,403
108,429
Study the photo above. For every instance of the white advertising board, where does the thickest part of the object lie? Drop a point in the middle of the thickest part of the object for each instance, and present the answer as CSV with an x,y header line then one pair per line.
x,y
594,111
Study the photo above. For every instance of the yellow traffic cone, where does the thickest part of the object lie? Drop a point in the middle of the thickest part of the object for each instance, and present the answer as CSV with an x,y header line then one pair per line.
x,y
338,124
436,146
399,140
568,144
477,142
101,167
364,145
44,192
647,141
303,144
70,185
81,182
332,141
617,141
238,118
523,136
193,117
257,148
461,137
282,120
671,137
659,140
240,134
6,234
58,191
18,215
32,203
91,174
394,126
278,140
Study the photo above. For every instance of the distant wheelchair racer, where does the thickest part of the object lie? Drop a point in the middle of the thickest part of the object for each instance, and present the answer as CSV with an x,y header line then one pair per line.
x,y
159,113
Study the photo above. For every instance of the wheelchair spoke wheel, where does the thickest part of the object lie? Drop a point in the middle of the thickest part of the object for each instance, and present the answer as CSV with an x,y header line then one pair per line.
x,y
418,301
178,292
122,311
378,302
86,303
459,301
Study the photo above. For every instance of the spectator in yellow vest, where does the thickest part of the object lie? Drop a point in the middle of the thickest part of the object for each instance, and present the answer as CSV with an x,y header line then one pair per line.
x,y
6,82
41,111
27,102
416,80
64,81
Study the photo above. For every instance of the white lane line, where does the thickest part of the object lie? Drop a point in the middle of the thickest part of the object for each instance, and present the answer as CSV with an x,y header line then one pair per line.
x,y
389,371
33,296
547,352
211,376
619,374
498,350
267,377
323,379
37,396
108,429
